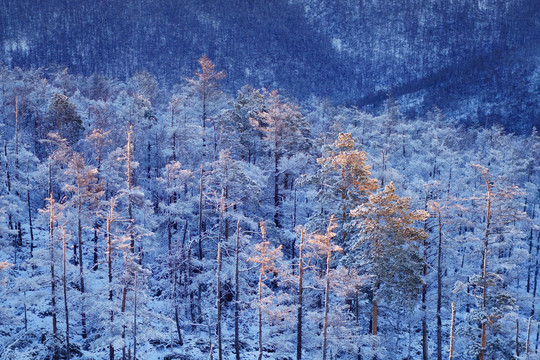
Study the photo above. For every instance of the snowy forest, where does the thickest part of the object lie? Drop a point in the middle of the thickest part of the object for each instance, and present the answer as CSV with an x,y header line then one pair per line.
x,y
140,222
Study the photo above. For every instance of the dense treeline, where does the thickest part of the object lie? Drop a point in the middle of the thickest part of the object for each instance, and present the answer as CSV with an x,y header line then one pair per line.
x,y
475,59
138,222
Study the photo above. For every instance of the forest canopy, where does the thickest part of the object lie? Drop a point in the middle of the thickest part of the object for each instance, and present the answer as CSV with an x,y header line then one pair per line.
x,y
143,222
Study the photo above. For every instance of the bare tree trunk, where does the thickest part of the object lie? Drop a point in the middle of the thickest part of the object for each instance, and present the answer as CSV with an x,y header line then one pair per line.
x,y
260,314
535,280
95,260
29,212
528,337
374,322
484,296
169,220
51,258
326,295
148,159
19,228
199,290
484,272
276,170
218,301
130,210
204,94
110,218
200,213
439,289
68,351
425,349
135,319
8,183
236,293
81,268
300,295
191,293
123,307
175,295
451,351
517,338
16,133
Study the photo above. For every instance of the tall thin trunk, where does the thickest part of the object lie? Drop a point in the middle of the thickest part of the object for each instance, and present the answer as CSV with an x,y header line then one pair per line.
x,y
236,293
425,349
535,279
200,213
81,268
300,295
260,313
51,258
326,296
8,183
110,218
8,174
218,300
484,272
29,212
189,280
16,133
123,304
199,289
135,318
68,350
169,220
261,275
484,281
175,294
276,169
148,160
95,260
439,289
204,94
528,337
517,338
174,133
452,322
19,228
225,217
374,322
130,210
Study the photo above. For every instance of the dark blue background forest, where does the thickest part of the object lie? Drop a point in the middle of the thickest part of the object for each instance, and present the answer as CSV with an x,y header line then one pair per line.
x,y
476,60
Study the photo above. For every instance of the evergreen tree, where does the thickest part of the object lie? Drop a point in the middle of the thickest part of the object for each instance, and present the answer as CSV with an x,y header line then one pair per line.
x,y
343,182
388,248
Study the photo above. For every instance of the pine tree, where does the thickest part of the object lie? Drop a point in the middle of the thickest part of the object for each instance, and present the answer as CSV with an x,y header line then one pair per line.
x,y
206,85
388,248
285,130
344,182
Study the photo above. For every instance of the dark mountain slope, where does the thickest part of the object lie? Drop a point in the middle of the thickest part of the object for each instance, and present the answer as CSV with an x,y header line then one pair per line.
x,y
353,52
